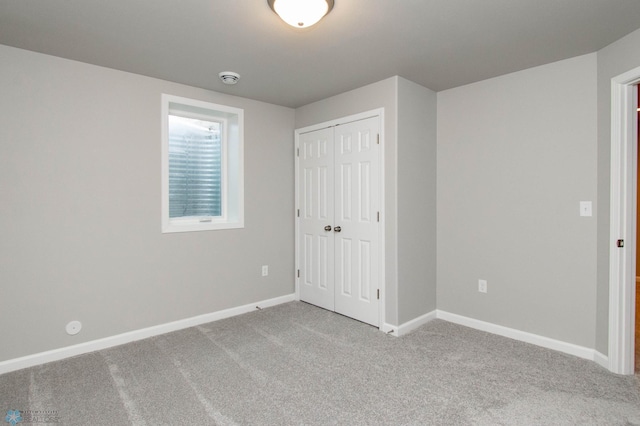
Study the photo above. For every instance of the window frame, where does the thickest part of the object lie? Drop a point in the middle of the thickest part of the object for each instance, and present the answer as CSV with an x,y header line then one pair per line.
x,y
232,146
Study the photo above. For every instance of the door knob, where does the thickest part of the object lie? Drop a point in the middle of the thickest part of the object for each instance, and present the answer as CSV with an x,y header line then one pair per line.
x,y
337,229
327,228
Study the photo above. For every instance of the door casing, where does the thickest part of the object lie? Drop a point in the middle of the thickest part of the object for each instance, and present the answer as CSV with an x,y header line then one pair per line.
x,y
622,268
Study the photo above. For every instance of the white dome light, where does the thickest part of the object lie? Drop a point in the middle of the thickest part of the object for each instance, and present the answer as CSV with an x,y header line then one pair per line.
x,y
301,13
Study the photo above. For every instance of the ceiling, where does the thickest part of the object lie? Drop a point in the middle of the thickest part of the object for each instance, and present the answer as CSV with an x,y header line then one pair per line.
x,y
437,43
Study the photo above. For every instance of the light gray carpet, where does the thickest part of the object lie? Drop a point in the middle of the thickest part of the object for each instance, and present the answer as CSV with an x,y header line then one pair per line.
x,y
297,364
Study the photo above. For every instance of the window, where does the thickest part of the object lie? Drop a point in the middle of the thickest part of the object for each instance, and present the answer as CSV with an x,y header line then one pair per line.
x,y
202,166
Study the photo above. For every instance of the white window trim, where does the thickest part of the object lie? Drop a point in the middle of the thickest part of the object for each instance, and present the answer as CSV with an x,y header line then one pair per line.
x,y
233,171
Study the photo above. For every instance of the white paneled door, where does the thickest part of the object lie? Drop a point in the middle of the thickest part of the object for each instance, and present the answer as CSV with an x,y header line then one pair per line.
x,y
316,233
339,220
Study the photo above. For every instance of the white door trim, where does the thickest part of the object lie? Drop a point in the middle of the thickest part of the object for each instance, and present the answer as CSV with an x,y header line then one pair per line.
x,y
623,221
379,112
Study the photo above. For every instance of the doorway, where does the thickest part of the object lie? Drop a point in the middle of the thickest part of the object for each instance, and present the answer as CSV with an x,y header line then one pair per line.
x,y
339,247
622,262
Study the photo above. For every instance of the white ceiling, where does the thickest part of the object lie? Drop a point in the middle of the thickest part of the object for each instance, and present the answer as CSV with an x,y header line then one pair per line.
x,y
437,43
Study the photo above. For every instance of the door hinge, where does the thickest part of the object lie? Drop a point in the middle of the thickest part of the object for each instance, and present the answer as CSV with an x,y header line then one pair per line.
x,y
298,273
378,294
378,138
298,152
620,243
298,212
378,216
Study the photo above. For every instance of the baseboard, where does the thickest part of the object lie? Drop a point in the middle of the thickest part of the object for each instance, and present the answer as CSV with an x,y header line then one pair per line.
x,y
601,360
389,329
511,333
523,336
409,326
132,336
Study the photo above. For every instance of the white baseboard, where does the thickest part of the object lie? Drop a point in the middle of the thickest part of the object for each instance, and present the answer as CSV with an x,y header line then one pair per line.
x,y
409,326
523,336
511,333
601,360
132,336
389,329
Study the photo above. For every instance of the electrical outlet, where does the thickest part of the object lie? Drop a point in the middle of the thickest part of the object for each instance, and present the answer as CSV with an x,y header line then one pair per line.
x,y
482,286
265,270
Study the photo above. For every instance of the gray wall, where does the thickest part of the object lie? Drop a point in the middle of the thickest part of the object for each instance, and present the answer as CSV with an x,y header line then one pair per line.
x,y
80,188
416,200
382,94
516,155
613,60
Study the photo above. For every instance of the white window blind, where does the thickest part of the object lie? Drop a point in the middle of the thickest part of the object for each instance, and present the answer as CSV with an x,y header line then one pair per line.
x,y
195,168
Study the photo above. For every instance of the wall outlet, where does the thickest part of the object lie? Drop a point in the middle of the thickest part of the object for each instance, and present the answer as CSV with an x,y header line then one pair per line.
x,y
482,286
265,270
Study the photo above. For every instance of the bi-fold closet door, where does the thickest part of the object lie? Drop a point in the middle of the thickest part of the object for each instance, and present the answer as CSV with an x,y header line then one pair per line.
x,y
339,250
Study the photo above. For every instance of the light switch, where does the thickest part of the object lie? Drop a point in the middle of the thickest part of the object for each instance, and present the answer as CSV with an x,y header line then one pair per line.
x,y
585,208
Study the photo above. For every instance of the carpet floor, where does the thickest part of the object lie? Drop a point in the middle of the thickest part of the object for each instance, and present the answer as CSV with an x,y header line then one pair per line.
x,y
295,364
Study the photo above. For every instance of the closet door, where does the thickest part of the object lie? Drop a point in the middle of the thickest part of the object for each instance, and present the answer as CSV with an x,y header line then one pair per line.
x,y
316,244
356,220
339,243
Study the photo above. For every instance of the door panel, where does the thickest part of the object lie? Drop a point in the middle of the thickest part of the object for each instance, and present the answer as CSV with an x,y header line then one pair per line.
x,y
316,212
357,204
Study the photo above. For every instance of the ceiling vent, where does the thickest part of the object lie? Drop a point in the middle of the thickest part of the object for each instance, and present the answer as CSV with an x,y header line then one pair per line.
x,y
229,77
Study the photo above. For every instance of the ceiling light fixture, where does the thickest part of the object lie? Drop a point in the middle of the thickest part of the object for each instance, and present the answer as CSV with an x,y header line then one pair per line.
x,y
301,13
229,77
